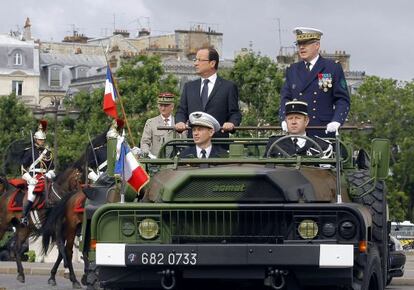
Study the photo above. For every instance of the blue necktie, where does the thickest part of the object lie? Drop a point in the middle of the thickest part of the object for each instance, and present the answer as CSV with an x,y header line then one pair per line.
x,y
204,94
203,153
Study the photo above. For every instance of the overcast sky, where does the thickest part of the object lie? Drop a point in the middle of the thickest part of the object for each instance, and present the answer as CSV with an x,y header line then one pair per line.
x,y
377,33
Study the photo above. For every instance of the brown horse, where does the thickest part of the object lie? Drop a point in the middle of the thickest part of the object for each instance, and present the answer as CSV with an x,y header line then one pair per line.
x,y
64,221
13,195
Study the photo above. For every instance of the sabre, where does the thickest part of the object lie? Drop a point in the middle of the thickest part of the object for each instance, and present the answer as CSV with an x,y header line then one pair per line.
x,y
33,155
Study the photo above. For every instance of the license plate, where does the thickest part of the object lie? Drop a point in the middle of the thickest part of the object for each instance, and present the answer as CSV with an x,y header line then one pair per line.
x,y
163,258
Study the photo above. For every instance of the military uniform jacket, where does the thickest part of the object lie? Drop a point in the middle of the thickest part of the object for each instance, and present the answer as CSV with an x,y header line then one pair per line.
x,y
323,88
152,139
289,147
44,165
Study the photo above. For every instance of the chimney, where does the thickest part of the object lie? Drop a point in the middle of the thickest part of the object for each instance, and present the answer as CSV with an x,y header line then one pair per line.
x,y
27,33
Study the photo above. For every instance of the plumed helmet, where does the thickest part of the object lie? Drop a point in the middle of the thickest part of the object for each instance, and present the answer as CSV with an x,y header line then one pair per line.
x,y
41,130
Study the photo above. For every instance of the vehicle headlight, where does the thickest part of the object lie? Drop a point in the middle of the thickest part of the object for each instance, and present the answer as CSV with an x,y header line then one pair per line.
x,y
328,230
308,229
128,229
148,229
347,230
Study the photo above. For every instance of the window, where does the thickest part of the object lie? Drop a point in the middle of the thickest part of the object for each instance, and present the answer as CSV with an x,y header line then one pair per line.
x,y
82,72
17,88
18,58
54,74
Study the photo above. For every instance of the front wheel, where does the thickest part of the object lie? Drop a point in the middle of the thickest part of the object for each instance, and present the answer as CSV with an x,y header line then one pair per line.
x,y
371,278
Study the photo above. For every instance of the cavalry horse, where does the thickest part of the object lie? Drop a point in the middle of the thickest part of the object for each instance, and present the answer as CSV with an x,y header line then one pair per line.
x,y
13,194
65,219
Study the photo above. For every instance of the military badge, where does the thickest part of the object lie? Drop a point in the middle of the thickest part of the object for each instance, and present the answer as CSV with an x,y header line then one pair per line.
x,y
325,81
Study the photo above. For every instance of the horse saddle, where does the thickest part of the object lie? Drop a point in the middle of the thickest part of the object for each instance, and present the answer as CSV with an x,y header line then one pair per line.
x,y
16,200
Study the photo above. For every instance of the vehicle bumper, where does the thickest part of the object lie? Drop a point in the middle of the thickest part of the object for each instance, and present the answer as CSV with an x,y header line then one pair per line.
x,y
310,264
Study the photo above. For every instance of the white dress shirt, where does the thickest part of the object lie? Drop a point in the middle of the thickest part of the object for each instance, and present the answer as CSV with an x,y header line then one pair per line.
x,y
208,151
212,80
312,62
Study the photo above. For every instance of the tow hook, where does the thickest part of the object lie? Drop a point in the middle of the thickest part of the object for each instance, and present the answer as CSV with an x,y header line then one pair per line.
x,y
168,280
276,278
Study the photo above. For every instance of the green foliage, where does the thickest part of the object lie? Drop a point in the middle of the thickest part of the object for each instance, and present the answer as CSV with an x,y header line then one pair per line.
x,y
397,203
16,120
259,82
141,79
31,256
389,105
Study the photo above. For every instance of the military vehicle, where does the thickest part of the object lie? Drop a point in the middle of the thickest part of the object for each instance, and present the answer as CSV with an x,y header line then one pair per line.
x,y
290,222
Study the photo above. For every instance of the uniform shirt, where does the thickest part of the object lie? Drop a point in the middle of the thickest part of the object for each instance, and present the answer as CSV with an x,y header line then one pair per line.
x,y
313,62
208,151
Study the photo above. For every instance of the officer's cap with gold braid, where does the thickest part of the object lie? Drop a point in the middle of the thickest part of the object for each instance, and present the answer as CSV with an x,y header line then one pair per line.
x,y
304,34
166,98
297,107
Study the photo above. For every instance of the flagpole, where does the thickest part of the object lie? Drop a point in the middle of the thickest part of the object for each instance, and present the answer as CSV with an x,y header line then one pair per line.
x,y
123,154
119,96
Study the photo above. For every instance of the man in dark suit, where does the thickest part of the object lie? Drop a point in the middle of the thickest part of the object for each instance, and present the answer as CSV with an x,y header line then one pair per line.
x,y
211,94
317,81
297,119
204,126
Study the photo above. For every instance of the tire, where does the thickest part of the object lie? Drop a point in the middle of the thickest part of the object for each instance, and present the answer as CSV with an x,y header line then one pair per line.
x,y
372,277
376,202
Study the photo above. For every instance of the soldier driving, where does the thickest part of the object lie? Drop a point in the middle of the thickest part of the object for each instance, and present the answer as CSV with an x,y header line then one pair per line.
x,y
37,164
297,119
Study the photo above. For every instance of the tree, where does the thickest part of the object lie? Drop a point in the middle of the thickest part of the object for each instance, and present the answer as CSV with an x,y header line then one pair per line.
x,y
389,105
259,81
16,122
139,80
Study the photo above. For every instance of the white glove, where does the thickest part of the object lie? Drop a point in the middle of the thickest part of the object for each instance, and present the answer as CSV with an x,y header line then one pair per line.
x,y
27,176
93,176
152,156
136,151
50,174
284,126
332,127
32,181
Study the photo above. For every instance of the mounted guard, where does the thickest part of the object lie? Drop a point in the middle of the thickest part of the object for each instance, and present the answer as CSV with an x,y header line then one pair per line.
x,y
37,164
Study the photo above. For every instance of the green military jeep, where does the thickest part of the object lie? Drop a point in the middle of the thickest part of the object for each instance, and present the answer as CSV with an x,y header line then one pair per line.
x,y
291,222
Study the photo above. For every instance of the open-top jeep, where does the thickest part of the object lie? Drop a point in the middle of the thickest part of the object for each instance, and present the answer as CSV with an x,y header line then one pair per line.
x,y
246,220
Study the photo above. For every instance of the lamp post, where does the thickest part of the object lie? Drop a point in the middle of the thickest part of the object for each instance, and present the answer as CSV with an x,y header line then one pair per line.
x,y
57,112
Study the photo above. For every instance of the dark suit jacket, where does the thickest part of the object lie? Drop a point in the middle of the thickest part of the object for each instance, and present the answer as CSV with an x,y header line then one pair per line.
x,y
223,103
288,146
325,104
191,152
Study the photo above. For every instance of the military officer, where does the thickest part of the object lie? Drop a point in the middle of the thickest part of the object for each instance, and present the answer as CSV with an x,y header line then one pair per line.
x,y
319,82
297,119
152,139
203,126
37,164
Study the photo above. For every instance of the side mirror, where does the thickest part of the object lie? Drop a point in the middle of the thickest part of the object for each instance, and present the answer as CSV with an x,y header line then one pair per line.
x,y
380,158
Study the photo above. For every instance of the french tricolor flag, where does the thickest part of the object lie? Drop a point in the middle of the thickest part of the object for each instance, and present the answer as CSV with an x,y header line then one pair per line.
x,y
110,96
129,168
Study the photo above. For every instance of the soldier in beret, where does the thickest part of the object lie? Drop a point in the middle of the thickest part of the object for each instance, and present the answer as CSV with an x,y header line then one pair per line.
x,y
296,120
203,126
317,81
